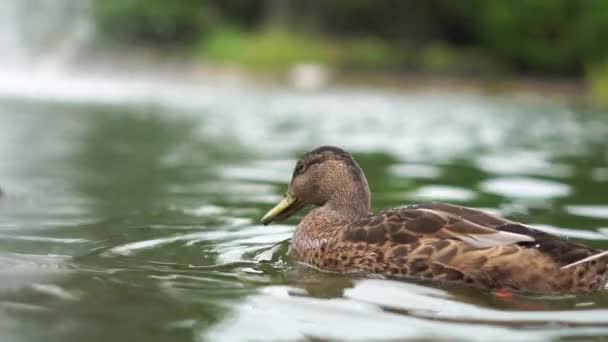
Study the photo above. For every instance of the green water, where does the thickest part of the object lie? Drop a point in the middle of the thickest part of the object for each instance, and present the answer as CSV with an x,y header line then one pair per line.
x,y
137,220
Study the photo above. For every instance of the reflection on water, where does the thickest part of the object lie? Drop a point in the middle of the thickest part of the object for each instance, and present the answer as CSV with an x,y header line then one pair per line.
x,y
138,219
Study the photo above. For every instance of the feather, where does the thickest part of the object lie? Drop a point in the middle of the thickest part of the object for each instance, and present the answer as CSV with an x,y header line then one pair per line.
x,y
495,239
587,259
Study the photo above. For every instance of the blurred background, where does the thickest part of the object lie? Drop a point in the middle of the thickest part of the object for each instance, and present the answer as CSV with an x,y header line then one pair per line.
x,y
548,42
484,40
141,142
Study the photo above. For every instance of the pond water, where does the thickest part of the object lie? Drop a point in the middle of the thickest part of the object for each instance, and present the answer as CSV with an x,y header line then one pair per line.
x,y
131,209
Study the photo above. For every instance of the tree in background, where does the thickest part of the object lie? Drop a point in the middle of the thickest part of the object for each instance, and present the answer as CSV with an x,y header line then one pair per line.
x,y
554,36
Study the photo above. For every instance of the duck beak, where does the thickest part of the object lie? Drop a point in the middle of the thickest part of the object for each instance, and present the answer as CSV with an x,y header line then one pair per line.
x,y
282,210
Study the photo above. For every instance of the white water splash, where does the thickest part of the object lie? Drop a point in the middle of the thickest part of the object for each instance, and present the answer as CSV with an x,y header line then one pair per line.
x,y
42,36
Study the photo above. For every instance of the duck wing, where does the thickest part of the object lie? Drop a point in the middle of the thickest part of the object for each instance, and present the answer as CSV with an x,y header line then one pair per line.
x,y
473,215
562,251
408,225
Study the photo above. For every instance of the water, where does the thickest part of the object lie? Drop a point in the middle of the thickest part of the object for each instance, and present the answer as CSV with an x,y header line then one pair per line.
x,y
133,214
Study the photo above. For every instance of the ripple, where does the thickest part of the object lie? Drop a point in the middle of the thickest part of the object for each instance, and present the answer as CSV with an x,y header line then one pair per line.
x,y
522,163
593,211
241,191
18,270
444,192
241,188
383,310
277,171
205,210
436,303
411,170
520,187
41,239
17,261
249,235
54,291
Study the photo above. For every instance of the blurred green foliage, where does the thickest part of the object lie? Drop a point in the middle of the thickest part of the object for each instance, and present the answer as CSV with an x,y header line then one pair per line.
x,y
563,37
272,50
150,20
268,50
597,76
556,36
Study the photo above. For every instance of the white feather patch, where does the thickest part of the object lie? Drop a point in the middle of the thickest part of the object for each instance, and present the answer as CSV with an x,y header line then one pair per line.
x,y
498,239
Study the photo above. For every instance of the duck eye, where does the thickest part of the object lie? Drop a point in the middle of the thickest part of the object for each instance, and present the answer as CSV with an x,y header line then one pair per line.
x,y
298,169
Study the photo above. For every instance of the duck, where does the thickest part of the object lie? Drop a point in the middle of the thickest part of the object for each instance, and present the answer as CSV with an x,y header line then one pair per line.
x,y
437,242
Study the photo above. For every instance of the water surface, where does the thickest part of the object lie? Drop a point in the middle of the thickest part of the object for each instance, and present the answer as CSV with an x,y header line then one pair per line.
x,y
131,209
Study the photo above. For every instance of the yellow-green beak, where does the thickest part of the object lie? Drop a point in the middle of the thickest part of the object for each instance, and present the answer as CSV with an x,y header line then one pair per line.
x,y
281,208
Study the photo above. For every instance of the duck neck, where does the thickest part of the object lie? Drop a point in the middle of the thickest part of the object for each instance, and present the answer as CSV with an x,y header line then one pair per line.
x,y
321,224
351,202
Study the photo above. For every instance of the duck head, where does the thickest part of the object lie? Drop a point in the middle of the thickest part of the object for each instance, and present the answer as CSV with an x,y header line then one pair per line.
x,y
327,177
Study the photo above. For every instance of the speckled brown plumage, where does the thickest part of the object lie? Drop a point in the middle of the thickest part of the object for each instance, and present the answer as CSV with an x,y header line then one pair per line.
x,y
435,241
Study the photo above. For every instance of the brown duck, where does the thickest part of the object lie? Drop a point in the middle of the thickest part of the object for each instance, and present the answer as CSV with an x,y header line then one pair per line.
x,y
435,241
